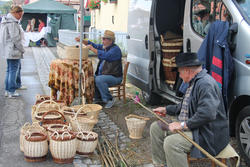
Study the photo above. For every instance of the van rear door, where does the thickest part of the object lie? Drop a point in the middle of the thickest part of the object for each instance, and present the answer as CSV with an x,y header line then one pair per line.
x,y
138,43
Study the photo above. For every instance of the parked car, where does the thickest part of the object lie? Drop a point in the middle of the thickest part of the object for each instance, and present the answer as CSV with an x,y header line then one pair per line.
x,y
150,20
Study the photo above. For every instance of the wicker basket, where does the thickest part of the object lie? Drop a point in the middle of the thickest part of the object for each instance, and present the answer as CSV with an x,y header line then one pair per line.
x,y
89,109
35,146
170,49
60,128
82,123
72,52
86,142
44,106
63,147
69,112
42,98
170,75
51,116
135,125
47,122
29,127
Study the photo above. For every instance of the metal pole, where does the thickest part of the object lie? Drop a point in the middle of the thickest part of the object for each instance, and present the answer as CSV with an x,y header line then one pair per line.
x,y
81,39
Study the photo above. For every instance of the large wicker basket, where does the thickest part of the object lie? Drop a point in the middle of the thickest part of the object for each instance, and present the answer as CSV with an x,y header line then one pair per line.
x,y
82,123
86,142
89,109
63,147
170,49
35,127
135,125
35,146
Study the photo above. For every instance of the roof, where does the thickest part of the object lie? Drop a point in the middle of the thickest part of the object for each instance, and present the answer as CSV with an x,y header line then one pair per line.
x,y
48,6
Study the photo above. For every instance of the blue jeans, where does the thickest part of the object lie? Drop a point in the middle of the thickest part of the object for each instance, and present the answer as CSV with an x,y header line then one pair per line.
x,y
18,78
102,84
11,74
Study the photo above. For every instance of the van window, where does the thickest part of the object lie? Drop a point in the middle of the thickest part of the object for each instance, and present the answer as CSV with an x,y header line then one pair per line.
x,y
205,12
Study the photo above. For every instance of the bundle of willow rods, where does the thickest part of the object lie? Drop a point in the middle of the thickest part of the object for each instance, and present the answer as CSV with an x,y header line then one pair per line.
x,y
109,153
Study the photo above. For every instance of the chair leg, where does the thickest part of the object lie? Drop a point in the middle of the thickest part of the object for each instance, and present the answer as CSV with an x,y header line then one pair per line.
x,y
124,94
119,93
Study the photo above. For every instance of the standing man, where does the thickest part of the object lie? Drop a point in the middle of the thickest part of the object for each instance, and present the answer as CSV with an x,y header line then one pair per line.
x,y
109,68
11,48
201,115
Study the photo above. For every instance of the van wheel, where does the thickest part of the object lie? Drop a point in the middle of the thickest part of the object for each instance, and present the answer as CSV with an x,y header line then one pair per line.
x,y
243,133
151,98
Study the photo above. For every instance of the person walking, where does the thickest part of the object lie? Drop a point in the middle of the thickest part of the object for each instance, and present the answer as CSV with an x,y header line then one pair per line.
x,y
201,115
109,68
11,48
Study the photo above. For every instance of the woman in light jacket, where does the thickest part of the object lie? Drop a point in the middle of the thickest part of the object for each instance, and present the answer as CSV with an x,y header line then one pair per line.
x,y
11,48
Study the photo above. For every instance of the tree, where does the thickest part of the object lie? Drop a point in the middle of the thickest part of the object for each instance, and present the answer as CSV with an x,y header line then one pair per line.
x,y
5,8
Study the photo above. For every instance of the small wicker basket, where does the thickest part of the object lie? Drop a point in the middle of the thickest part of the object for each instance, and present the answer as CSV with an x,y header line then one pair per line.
x,y
135,125
82,123
63,147
86,142
29,127
35,146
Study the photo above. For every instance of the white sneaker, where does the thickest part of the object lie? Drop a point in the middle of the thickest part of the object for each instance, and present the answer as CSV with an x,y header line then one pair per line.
x,y
13,95
6,93
22,88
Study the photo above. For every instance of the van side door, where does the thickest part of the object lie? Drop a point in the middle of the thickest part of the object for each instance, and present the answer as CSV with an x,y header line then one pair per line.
x,y
138,43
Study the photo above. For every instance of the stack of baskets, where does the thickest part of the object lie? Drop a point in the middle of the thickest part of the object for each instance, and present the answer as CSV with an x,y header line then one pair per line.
x,y
170,49
136,125
51,128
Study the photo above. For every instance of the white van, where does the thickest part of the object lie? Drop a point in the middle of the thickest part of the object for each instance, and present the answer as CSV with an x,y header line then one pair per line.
x,y
148,23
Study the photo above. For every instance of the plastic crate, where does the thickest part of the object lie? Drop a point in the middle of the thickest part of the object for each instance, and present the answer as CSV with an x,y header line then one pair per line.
x,y
67,37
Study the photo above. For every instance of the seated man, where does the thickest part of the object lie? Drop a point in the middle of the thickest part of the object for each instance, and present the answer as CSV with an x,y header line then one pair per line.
x,y
201,115
109,68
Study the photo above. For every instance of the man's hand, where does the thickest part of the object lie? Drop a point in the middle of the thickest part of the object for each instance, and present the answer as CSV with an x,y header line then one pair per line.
x,y
77,39
160,111
174,126
85,42
92,49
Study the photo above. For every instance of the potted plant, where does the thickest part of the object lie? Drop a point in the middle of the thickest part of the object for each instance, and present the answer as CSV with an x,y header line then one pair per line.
x,y
105,1
94,4
113,1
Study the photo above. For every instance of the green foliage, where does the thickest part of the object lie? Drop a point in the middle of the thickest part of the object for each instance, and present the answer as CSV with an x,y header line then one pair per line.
x,y
5,8
105,1
94,4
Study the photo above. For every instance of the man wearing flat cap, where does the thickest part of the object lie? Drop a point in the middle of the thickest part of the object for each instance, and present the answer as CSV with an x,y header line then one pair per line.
x,y
201,115
109,68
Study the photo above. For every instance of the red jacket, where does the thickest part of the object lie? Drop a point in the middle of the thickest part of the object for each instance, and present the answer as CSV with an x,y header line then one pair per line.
x,y
40,27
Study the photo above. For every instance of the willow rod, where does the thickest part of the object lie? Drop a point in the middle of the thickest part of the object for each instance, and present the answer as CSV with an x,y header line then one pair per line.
x,y
182,134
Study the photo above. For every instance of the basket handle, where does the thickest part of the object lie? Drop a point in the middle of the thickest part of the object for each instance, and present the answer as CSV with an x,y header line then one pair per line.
x,y
51,101
55,133
136,116
66,132
41,122
26,124
78,111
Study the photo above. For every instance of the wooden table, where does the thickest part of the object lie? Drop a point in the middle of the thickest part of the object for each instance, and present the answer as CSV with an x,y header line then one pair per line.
x,y
64,76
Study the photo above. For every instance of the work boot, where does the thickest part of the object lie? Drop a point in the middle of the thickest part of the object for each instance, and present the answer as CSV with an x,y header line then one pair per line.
x,y
110,103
